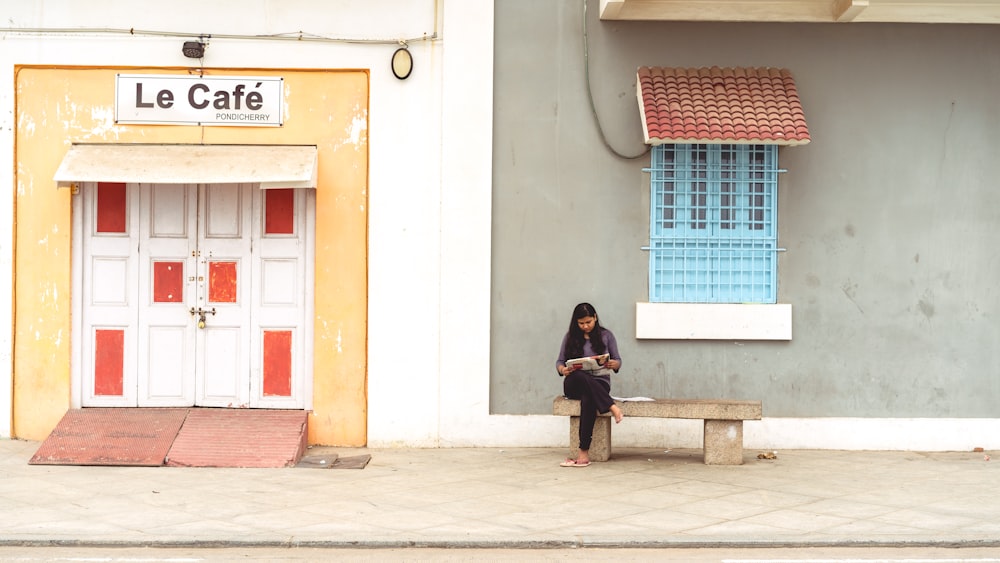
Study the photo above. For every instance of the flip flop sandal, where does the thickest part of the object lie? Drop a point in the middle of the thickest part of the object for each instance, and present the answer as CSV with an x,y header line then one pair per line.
x,y
574,463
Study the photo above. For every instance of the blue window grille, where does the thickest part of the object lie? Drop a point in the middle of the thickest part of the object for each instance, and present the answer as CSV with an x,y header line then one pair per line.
x,y
713,224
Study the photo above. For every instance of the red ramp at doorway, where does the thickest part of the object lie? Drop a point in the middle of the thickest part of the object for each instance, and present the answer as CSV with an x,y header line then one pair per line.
x,y
111,436
184,437
239,438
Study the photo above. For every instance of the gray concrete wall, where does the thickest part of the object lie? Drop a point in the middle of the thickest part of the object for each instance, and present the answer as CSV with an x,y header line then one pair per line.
x,y
890,216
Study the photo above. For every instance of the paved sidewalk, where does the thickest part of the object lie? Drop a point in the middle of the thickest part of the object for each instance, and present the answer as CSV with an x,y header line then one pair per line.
x,y
491,497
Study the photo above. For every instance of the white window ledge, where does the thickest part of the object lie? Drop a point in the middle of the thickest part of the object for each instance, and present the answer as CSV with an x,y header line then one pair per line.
x,y
713,321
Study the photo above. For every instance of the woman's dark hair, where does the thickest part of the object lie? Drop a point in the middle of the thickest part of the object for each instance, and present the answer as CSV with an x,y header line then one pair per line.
x,y
574,344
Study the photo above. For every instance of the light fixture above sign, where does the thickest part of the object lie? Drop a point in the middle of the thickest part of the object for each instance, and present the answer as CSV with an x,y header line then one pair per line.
x,y
193,49
402,63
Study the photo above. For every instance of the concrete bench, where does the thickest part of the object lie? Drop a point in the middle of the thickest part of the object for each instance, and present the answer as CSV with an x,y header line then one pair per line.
x,y
723,438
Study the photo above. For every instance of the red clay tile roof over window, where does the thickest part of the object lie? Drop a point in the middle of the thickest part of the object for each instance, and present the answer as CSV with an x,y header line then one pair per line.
x,y
720,106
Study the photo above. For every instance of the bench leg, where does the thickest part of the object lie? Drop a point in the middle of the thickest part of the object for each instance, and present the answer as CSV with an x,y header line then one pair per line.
x,y
600,445
723,442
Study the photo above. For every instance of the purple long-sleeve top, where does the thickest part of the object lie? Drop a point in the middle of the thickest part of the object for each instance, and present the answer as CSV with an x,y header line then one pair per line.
x,y
610,344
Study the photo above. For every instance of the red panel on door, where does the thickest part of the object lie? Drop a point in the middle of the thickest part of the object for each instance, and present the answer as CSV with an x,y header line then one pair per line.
x,y
111,207
109,361
277,363
168,282
222,282
279,211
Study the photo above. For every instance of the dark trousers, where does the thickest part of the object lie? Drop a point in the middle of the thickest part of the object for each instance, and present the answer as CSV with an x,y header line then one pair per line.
x,y
594,394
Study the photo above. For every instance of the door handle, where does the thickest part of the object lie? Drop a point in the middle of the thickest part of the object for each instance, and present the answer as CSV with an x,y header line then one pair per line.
x,y
201,315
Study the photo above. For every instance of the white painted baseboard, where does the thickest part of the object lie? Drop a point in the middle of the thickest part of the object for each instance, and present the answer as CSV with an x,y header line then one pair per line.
x,y
900,434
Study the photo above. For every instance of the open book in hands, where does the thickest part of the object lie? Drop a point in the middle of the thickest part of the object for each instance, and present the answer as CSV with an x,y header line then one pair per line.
x,y
588,362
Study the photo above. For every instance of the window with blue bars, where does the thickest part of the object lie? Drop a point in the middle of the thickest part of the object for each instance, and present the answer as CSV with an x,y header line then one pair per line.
x,y
713,224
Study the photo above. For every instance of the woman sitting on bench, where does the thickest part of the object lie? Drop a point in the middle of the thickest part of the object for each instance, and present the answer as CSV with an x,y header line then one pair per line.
x,y
586,338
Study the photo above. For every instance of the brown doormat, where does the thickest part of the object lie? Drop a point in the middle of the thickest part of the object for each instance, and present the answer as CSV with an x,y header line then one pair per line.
x,y
239,438
111,436
334,461
352,462
318,461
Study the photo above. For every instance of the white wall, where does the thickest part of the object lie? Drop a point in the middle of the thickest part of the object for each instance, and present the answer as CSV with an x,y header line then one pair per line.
x,y
437,309
442,313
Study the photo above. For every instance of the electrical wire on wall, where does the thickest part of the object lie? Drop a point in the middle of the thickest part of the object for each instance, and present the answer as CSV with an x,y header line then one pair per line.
x,y
297,36
590,95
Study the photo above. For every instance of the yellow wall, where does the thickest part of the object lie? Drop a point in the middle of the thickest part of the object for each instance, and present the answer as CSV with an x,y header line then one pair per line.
x,y
60,106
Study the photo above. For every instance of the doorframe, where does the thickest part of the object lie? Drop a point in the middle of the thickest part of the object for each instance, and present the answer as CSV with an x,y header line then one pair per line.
x,y
308,299
76,294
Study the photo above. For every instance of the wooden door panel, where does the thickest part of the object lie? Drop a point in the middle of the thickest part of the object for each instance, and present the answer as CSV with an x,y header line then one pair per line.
x,y
222,209
170,210
109,362
224,246
225,380
108,350
166,288
168,357
280,365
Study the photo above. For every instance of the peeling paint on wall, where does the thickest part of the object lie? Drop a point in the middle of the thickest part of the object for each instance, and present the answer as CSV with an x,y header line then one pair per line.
x,y
103,119
26,125
358,125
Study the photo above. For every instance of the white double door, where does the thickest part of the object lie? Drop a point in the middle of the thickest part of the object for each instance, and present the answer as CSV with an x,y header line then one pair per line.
x,y
199,300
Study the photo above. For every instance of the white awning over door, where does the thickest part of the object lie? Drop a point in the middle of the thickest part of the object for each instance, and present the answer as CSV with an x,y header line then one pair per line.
x,y
271,166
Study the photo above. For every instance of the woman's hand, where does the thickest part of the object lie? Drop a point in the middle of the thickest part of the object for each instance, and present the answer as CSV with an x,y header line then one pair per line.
x,y
613,364
564,371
